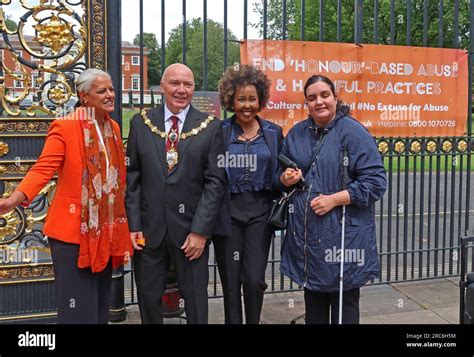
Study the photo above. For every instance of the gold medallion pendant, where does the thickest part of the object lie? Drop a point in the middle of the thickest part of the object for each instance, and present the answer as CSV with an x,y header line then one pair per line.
x,y
171,157
174,137
172,154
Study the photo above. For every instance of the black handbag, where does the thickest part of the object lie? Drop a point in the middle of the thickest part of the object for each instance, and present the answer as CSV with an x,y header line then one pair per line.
x,y
279,213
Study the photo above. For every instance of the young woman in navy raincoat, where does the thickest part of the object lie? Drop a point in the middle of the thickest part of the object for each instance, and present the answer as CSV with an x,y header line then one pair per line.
x,y
311,247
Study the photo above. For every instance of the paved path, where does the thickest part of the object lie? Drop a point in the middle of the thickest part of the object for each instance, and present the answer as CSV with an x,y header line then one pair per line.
x,y
421,302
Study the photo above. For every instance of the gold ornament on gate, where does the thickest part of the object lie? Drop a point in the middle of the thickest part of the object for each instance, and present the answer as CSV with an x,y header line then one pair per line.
x,y
55,34
4,149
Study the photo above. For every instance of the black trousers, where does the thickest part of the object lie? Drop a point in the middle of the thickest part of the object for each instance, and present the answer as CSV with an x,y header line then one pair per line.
x,y
319,306
242,257
82,297
151,268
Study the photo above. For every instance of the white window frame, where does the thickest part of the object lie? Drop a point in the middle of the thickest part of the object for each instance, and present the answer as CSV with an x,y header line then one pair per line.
x,y
17,84
133,82
33,81
123,81
137,59
123,59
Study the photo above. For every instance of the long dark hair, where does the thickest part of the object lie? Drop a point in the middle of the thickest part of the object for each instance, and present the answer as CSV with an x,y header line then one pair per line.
x,y
341,107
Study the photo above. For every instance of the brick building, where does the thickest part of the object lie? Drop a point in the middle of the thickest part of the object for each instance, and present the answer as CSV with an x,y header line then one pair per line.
x,y
131,68
34,76
131,80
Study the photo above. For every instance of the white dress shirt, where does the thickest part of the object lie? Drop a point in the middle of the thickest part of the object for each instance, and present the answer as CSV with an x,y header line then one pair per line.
x,y
181,116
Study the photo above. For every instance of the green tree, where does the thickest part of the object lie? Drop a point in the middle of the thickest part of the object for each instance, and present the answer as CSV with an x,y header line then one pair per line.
x,y
312,28
11,25
154,56
195,53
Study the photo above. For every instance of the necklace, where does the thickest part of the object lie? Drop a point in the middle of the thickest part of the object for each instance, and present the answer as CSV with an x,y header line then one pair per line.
x,y
154,129
248,137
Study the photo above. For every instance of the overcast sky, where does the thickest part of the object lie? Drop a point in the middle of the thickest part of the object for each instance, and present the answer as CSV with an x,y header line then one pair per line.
x,y
174,15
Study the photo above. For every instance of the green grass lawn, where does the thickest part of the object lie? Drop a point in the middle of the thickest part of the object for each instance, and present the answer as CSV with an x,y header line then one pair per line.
x,y
127,114
446,162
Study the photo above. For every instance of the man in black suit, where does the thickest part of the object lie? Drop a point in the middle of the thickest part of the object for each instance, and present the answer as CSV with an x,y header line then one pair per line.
x,y
174,191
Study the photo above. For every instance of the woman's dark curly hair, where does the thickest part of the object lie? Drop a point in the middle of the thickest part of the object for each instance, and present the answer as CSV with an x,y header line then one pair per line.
x,y
243,76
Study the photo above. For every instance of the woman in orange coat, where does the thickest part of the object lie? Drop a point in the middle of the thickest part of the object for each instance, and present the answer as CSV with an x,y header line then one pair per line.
x,y
86,224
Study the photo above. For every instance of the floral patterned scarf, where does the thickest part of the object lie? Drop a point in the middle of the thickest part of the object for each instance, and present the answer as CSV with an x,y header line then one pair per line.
x,y
104,225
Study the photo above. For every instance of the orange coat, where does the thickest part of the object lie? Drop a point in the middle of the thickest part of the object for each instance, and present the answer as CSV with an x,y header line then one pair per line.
x,y
62,153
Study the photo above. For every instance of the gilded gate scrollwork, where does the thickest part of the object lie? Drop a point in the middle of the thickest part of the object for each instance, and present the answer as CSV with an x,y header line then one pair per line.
x,y
44,45
59,44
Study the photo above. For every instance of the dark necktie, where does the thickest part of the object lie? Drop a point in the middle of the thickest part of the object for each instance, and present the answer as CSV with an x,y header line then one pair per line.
x,y
172,143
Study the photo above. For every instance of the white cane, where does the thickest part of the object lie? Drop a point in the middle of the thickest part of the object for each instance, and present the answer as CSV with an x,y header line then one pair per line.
x,y
341,273
345,166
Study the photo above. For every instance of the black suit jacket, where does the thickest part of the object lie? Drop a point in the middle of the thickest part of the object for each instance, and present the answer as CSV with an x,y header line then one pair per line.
x,y
273,135
188,198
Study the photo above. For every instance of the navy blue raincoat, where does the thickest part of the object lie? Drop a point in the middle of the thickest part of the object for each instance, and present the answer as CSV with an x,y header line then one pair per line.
x,y
311,247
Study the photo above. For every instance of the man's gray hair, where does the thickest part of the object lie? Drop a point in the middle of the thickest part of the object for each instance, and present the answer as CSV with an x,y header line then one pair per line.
x,y
86,78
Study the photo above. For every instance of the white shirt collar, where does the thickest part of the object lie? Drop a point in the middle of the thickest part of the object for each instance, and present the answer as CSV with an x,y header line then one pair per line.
x,y
181,115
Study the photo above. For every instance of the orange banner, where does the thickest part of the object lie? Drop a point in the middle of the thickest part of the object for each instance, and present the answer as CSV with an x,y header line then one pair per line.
x,y
392,90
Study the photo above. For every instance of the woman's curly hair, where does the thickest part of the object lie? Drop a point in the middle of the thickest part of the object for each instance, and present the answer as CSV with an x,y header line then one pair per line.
x,y
243,76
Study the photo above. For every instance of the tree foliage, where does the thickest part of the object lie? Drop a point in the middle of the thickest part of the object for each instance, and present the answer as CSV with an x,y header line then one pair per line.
x,y
154,56
11,25
195,53
383,36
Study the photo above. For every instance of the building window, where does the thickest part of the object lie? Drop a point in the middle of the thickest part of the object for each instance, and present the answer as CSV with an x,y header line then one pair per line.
x,y
1,55
35,59
135,83
18,84
34,80
123,81
123,59
135,60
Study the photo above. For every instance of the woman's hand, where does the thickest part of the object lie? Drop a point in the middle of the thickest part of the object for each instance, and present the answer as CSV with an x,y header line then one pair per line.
x,y
322,204
7,204
290,176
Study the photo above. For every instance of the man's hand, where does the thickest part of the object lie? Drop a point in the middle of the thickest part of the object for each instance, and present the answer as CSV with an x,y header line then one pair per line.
x,y
194,245
136,238
290,176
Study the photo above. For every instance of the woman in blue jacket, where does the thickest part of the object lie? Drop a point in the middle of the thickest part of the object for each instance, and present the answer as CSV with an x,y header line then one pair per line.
x,y
322,146
252,145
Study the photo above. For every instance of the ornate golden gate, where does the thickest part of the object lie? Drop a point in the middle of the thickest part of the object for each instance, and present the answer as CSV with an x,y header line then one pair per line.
x,y
44,45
